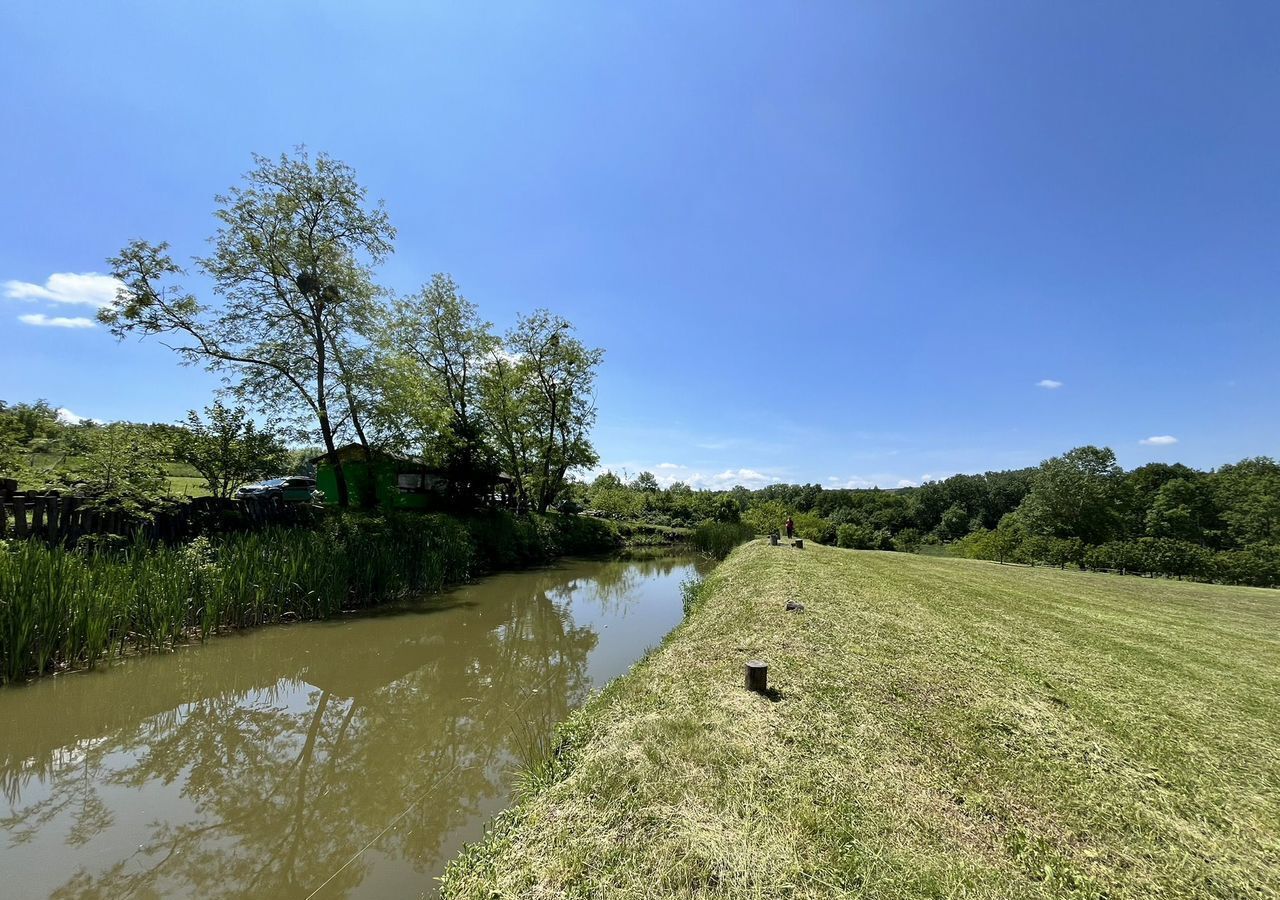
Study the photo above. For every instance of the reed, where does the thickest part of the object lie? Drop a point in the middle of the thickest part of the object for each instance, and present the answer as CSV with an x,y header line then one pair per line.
x,y
717,539
64,608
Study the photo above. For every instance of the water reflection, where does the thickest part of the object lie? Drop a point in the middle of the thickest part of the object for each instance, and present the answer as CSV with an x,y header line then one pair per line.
x,y
260,764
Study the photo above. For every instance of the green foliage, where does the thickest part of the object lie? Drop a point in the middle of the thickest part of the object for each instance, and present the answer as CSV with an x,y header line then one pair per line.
x,y
863,537
61,608
292,263
538,396
766,517
121,467
1075,495
717,539
692,593
229,449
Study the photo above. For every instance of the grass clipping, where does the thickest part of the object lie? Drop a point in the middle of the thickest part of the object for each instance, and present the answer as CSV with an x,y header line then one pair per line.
x,y
941,727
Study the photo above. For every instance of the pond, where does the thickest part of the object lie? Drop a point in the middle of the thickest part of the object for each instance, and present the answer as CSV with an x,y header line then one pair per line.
x,y
348,758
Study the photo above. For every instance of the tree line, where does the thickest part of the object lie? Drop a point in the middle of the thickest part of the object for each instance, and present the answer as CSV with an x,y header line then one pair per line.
x,y
301,331
1079,509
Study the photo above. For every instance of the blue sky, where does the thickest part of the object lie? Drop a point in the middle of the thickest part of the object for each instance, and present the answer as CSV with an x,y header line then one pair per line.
x,y
843,243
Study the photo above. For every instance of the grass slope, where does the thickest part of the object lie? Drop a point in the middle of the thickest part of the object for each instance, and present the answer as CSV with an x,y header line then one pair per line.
x,y
945,727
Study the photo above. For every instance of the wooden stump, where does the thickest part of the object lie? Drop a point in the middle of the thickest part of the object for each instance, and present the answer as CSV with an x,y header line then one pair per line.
x,y
799,544
757,676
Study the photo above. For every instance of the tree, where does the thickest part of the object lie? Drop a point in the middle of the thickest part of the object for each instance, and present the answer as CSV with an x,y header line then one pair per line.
x,y
1075,495
955,523
538,395
1248,493
292,263
229,449
645,482
1182,509
434,347
121,468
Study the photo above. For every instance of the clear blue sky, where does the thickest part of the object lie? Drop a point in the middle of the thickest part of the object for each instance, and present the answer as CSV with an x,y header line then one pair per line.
x,y
838,242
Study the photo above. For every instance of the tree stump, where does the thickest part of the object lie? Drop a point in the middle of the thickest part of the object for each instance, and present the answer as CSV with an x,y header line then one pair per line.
x,y
757,676
799,544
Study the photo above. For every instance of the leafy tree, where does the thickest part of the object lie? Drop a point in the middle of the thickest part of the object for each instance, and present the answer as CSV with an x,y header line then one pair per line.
x,y
122,468
291,261
13,457
645,482
955,522
434,347
766,517
1183,510
727,510
538,395
1075,495
229,449
1248,493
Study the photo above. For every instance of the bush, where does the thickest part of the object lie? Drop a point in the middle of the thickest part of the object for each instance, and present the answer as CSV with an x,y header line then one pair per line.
x,y
863,537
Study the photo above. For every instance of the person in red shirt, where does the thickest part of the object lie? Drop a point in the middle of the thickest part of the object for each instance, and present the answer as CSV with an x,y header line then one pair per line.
x,y
791,527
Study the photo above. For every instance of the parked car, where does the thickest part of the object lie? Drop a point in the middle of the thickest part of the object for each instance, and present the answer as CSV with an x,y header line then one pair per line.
x,y
291,489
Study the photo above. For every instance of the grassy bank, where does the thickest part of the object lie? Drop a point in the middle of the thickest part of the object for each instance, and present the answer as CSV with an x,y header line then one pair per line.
x,y
61,608
941,727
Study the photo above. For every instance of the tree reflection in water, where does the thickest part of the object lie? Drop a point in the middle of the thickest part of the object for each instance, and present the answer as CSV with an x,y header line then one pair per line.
x,y
264,762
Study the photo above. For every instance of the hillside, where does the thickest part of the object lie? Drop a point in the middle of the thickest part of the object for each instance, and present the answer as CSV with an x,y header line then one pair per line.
x,y
941,727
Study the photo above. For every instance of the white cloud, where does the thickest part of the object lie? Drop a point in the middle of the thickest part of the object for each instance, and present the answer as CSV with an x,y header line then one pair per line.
x,y
907,482
1048,384
56,321
835,482
1159,440
83,289
67,417
668,473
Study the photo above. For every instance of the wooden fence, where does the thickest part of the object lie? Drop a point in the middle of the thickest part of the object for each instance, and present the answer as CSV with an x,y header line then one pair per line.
x,y
64,518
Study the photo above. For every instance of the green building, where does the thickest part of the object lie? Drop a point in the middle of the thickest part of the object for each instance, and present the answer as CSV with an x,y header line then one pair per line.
x,y
397,482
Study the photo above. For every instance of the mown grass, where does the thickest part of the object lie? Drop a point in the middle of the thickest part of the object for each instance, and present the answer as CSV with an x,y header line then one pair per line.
x,y
941,728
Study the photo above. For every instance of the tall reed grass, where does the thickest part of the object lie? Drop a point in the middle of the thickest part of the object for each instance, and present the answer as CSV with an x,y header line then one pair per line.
x,y
61,608
717,539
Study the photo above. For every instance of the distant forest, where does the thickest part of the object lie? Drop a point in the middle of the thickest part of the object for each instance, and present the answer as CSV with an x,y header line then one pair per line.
x,y
1080,509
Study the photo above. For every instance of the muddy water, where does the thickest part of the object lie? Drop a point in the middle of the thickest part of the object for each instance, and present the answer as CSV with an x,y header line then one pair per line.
x,y
349,759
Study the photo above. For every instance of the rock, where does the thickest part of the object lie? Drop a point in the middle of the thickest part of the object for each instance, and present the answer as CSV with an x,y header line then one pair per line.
x,y
795,606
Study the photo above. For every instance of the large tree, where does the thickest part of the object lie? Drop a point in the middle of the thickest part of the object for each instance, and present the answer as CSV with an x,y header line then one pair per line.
x,y
292,263
1076,495
433,346
538,395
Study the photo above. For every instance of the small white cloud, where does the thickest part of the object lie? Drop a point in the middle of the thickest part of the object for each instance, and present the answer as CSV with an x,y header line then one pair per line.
x,y
907,482
56,321
67,417
1159,440
667,466
835,482
1048,384
83,289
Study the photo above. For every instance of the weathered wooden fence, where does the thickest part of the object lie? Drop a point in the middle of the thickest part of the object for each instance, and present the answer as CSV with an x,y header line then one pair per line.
x,y
65,518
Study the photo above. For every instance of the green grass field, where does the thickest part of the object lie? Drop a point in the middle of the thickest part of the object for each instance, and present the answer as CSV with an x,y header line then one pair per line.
x,y
183,479
942,728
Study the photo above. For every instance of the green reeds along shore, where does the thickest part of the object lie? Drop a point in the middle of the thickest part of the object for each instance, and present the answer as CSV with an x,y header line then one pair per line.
x,y
934,728
62,608
717,539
